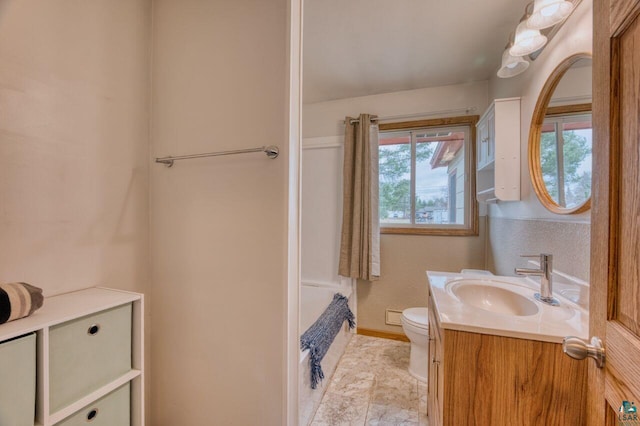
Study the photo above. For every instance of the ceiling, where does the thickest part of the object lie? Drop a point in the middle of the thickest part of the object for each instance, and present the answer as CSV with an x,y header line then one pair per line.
x,y
364,47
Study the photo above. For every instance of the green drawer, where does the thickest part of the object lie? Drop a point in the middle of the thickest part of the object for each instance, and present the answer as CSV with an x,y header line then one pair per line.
x,y
112,409
18,381
88,353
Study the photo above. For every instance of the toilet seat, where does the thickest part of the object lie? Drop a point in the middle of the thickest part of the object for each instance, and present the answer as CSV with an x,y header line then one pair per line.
x,y
417,317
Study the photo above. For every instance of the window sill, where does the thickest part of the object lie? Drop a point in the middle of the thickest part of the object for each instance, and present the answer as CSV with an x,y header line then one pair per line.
x,y
452,232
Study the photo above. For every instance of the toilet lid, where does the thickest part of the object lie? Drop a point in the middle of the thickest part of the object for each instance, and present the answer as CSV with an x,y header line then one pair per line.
x,y
417,316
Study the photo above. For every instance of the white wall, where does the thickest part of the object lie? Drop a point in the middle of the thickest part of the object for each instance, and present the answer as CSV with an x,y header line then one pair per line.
x,y
75,90
325,118
219,225
574,87
321,209
526,225
404,258
74,130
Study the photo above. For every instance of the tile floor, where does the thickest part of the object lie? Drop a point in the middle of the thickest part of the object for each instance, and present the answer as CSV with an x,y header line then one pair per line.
x,y
371,386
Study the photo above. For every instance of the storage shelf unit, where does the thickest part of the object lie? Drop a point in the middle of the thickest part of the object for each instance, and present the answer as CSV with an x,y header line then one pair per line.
x,y
498,152
65,310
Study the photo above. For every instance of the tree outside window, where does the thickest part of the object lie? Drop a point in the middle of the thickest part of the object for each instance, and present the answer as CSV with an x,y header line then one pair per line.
x,y
565,158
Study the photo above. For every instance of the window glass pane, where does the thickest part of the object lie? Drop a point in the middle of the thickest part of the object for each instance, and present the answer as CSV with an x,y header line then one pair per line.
x,y
424,179
576,135
440,178
395,178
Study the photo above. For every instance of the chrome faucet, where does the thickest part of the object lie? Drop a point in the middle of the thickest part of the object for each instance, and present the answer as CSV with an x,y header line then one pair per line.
x,y
545,274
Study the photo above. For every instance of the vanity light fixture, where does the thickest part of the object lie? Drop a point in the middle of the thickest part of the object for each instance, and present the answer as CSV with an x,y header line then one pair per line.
x,y
512,65
527,40
547,13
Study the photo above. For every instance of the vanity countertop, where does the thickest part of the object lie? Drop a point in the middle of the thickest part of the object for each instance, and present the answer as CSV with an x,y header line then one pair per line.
x,y
548,324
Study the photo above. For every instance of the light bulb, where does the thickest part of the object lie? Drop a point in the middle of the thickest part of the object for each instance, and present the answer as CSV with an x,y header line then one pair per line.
x,y
511,65
549,10
547,13
527,40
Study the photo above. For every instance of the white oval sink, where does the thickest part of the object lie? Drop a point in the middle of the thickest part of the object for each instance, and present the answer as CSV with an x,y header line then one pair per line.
x,y
483,295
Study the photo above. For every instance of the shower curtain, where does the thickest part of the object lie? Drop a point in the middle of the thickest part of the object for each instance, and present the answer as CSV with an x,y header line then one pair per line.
x,y
360,238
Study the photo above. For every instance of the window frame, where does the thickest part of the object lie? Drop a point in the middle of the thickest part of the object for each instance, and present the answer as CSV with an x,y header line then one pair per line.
x,y
470,228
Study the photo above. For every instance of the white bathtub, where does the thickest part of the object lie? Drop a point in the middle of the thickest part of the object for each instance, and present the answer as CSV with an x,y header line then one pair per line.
x,y
314,299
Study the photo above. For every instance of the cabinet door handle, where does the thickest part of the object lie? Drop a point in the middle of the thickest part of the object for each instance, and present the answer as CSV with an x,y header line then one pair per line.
x,y
485,140
436,363
93,329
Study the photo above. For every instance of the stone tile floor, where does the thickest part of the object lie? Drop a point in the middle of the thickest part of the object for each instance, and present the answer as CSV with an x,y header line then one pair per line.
x,y
371,386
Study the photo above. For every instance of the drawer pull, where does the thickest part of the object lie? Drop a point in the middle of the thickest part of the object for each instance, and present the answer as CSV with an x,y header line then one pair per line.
x,y
93,330
92,415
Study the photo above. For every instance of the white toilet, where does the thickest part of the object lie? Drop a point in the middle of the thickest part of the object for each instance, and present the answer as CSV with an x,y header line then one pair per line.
x,y
415,323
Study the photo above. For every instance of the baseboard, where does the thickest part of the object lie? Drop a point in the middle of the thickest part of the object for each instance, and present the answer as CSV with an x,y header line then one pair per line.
x,y
382,334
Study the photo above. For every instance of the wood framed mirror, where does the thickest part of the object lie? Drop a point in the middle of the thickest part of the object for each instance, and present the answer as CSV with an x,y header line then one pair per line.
x,y
560,141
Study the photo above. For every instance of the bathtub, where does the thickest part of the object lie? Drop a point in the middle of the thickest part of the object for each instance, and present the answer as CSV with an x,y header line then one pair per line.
x,y
314,299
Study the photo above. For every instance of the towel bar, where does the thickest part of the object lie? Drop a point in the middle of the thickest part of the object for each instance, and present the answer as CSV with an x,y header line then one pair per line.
x,y
272,151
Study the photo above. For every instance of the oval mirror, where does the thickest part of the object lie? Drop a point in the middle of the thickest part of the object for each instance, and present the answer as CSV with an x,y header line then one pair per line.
x,y
560,138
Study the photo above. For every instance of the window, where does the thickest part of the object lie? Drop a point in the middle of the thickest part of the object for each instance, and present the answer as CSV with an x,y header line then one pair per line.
x,y
427,177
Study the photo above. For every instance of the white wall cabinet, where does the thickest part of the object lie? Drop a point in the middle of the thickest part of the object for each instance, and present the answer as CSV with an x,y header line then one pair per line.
x,y
485,147
498,152
88,355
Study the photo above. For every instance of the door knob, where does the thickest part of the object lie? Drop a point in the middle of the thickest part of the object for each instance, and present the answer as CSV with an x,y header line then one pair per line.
x,y
577,348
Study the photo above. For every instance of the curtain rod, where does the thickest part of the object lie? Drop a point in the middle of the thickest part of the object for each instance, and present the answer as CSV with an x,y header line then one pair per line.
x,y
466,110
271,151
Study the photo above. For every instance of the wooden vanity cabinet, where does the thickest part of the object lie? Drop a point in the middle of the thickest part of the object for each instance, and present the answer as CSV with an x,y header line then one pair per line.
x,y
481,379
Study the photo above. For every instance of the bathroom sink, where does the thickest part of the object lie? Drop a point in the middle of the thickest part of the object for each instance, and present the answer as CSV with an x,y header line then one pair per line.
x,y
493,297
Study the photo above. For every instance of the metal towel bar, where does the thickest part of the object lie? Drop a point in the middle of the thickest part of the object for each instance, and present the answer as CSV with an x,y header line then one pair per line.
x,y
272,151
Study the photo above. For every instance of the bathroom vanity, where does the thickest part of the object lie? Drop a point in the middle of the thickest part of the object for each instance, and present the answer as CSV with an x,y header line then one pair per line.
x,y
496,354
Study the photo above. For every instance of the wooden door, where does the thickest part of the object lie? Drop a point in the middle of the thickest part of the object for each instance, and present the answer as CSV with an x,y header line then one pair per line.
x,y
615,220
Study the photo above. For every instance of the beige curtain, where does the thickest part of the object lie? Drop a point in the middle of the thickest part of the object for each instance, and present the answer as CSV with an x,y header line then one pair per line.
x,y
360,239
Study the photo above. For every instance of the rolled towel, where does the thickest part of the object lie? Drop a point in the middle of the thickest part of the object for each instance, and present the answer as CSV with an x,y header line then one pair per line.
x,y
18,300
